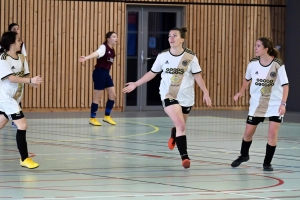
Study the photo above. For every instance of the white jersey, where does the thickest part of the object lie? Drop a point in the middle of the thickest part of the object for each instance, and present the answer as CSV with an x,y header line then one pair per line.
x,y
11,93
266,87
177,80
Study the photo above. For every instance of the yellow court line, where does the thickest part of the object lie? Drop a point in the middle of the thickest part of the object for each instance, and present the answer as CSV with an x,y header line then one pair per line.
x,y
156,129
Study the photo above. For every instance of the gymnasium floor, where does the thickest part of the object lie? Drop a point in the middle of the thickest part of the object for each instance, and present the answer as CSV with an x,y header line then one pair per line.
x,y
132,161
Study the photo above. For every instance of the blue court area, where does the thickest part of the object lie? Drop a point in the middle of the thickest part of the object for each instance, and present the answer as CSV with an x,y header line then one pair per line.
x,y
132,161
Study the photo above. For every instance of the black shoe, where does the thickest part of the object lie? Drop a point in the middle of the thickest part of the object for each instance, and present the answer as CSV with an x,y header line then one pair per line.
x,y
238,161
268,167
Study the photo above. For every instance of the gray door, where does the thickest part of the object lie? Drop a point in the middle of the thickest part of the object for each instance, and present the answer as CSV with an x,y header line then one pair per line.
x,y
147,35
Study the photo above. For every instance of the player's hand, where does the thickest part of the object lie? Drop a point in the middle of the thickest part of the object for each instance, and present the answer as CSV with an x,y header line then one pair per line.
x,y
129,87
82,59
207,100
33,85
37,80
236,97
281,110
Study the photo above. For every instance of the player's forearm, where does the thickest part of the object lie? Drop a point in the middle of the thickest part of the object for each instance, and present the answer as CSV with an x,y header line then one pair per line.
x,y
16,79
244,86
285,93
201,83
147,77
92,55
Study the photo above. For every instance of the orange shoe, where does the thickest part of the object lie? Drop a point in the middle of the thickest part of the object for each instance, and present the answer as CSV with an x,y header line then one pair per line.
x,y
186,163
171,142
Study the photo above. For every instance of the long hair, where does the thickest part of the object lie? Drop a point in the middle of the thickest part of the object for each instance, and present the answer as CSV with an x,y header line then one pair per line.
x,y
108,35
7,39
268,43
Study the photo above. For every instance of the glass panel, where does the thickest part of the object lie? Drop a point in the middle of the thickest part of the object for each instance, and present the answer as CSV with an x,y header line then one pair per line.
x,y
132,55
159,25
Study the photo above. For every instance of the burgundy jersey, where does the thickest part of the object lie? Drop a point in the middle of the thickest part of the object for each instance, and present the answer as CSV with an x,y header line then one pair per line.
x,y
107,60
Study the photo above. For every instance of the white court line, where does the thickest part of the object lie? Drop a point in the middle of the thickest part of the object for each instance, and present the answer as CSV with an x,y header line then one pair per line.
x,y
168,194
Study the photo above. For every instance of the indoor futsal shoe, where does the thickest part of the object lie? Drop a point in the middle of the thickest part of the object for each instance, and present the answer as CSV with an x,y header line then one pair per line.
x,y
171,142
94,122
239,160
109,120
186,163
29,163
268,167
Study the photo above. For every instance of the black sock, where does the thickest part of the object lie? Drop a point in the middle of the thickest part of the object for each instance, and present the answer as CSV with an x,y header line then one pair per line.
x,y
270,150
245,148
22,144
182,146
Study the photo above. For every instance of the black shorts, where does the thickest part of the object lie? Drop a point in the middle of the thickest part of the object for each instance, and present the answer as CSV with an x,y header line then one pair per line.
x,y
168,102
102,79
15,116
256,120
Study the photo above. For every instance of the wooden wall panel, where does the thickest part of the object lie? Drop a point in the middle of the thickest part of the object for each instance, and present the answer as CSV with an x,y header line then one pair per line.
x,y
57,32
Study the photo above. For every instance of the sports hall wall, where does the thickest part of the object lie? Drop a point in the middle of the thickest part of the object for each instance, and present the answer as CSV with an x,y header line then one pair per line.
x,y
56,33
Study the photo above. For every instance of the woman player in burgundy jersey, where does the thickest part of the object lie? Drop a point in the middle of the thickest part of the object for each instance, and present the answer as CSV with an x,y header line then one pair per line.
x,y
105,55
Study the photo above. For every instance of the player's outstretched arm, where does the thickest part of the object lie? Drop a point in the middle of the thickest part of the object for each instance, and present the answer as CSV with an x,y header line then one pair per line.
x,y
35,80
92,55
132,85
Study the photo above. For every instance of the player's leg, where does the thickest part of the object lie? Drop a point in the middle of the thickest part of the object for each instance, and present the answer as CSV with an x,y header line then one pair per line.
x,y
12,123
109,105
3,119
109,86
174,111
99,85
251,126
171,142
272,142
20,121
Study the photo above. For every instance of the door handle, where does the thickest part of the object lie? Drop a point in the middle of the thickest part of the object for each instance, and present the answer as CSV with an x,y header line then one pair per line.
x,y
143,59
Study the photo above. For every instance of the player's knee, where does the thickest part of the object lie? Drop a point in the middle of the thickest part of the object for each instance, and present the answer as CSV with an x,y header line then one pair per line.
x,y
180,127
272,135
112,96
22,126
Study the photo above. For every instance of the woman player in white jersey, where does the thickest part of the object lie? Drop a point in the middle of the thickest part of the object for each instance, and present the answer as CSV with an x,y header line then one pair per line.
x,y
13,69
180,69
269,91
102,80
15,28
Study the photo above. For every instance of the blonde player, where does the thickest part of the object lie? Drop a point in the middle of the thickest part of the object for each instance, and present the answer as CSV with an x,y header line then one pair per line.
x,y
105,55
180,69
13,69
269,91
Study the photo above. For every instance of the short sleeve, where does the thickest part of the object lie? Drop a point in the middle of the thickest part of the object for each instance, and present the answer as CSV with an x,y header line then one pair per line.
x,y
101,50
248,75
282,76
195,67
5,71
157,66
